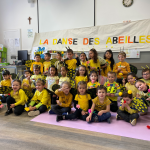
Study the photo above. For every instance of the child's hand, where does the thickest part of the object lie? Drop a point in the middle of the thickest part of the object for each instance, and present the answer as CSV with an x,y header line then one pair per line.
x,y
123,104
108,94
62,59
32,108
121,72
138,95
148,99
119,69
25,84
28,77
5,94
54,95
112,95
58,102
12,105
76,55
100,113
123,81
83,112
88,119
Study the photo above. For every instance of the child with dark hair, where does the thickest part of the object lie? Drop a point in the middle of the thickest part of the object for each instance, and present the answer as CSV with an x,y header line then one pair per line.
x,y
37,62
146,75
17,99
46,63
83,60
5,82
100,110
126,110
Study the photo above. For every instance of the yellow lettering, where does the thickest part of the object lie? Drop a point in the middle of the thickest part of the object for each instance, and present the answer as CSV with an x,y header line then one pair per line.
x,y
54,41
141,38
64,41
109,40
126,39
40,43
148,37
96,41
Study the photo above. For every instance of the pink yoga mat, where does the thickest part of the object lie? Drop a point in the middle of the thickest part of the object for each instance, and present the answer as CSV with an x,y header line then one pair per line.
x,y
119,127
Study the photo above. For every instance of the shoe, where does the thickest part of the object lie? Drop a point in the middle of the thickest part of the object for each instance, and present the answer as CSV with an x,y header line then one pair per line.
x,y
118,117
58,118
51,112
8,112
33,113
133,122
65,113
108,120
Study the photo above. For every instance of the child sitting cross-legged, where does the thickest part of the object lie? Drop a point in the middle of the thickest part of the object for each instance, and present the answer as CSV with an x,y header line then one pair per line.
x,y
41,100
100,110
65,98
126,110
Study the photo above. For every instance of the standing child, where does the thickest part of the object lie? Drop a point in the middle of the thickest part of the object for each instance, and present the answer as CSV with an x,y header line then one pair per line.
x,y
130,85
65,99
94,63
17,99
46,63
83,60
81,75
82,103
52,79
122,67
26,83
113,90
63,77
37,62
110,63
126,110
41,100
100,110
146,76
5,82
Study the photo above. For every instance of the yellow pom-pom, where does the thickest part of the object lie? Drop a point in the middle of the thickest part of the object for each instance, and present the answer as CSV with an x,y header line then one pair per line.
x,y
120,74
120,63
129,92
120,93
62,52
27,109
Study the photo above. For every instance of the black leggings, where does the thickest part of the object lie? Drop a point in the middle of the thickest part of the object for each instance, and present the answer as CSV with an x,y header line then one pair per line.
x,y
75,115
113,106
60,110
18,110
42,108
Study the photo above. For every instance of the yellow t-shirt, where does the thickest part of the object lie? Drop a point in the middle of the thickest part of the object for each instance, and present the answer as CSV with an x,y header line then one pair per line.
x,y
146,81
101,106
62,79
46,65
107,69
35,77
37,63
25,87
71,63
5,82
91,85
132,88
96,65
84,64
20,97
80,78
83,101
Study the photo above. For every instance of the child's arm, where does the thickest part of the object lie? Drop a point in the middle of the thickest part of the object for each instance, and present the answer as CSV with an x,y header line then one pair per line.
x,y
104,111
41,68
46,84
31,68
127,69
57,81
90,115
131,111
117,69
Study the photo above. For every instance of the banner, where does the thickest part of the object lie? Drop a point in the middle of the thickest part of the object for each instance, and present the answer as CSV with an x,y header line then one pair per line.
x,y
114,36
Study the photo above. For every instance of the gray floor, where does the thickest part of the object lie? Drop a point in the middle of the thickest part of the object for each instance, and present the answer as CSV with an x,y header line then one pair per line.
x,y
19,133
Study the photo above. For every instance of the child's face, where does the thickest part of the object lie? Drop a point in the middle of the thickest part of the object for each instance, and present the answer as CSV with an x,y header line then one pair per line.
x,y
131,79
39,86
146,75
52,71
16,86
82,71
108,55
141,86
36,71
127,99
69,55
111,78
37,58
46,57
91,54
82,89
27,74
58,56
66,89
63,71
93,77
101,94
121,58
82,57
6,77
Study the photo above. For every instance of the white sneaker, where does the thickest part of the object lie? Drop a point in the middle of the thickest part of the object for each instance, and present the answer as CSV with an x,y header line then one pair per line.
x,y
33,113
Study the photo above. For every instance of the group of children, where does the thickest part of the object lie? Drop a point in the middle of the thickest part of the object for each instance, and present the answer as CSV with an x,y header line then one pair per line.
x,y
88,108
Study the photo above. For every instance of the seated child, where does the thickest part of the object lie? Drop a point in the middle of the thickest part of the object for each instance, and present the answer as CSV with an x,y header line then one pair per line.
x,y
113,90
46,63
100,110
26,83
37,62
41,100
126,110
146,76
5,82
17,99
63,77
82,103
65,98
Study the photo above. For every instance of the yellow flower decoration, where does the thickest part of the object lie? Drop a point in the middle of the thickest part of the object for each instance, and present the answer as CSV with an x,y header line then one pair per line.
x,y
62,52
120,63
27,109
120,74
129,92
120,93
